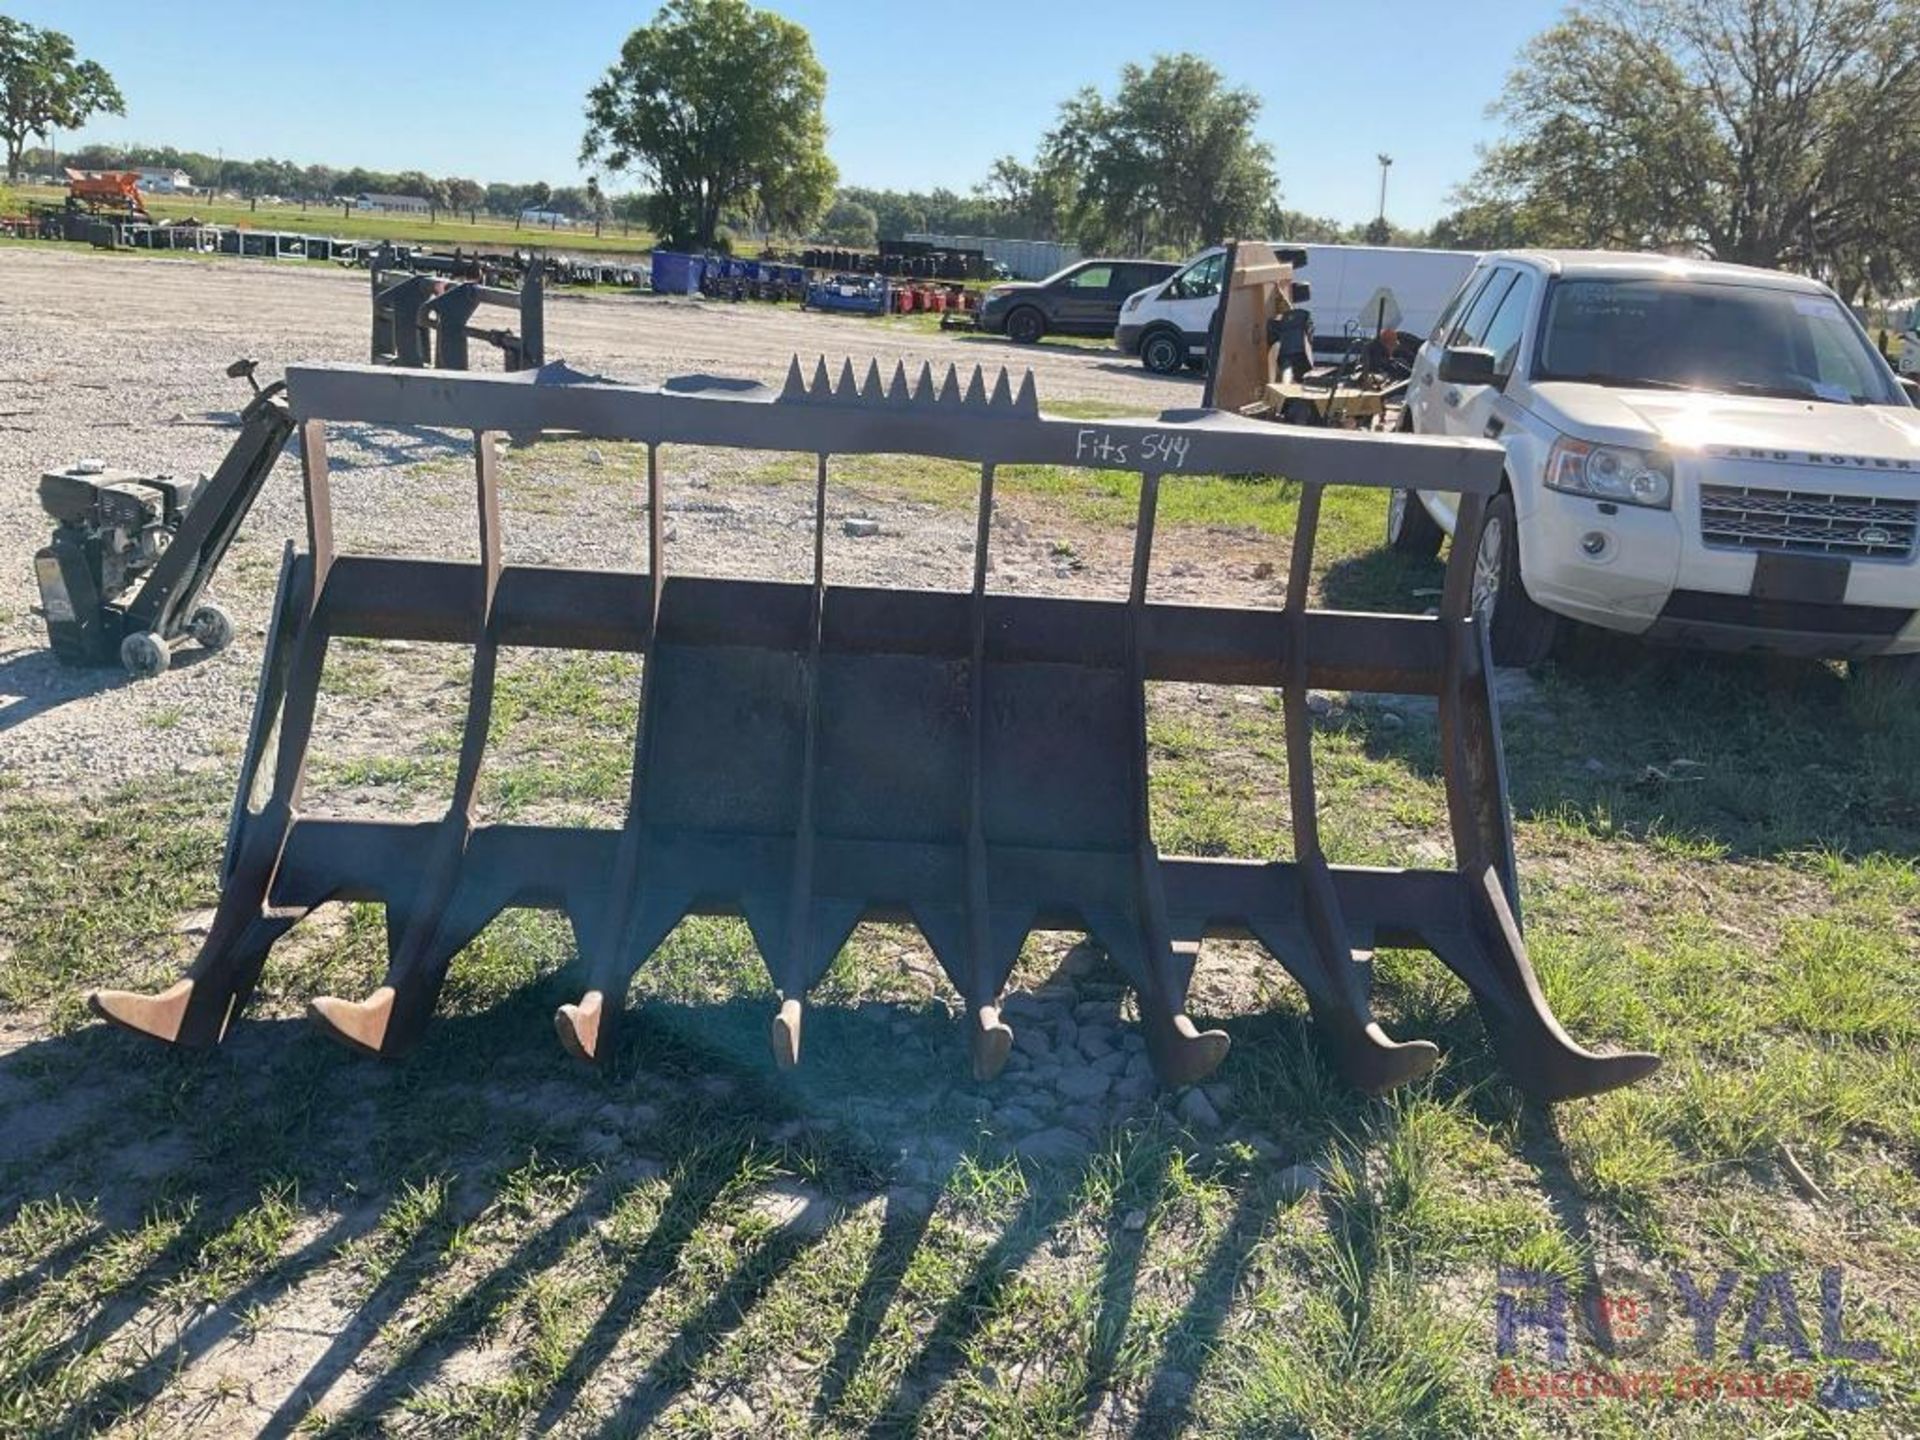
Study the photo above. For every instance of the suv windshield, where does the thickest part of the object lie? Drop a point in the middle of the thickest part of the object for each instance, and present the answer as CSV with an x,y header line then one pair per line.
x,y
1695,335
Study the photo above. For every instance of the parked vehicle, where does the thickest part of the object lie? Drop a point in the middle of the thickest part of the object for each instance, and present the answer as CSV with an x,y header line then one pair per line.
x,y
1356,289
1701,453
1083,299
1903,320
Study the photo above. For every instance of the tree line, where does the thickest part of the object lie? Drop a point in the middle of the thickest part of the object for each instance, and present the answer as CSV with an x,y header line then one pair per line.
x,y
1780,133
320,184
718,107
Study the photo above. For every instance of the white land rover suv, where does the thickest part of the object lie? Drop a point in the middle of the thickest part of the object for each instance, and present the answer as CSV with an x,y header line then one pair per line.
x,y
1697,452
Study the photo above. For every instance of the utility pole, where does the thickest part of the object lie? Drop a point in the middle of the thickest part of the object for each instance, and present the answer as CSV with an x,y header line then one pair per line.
x,y
1386,163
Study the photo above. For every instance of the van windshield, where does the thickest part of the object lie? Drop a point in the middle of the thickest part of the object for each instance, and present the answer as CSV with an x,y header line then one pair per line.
x,y
1697,335
1200,279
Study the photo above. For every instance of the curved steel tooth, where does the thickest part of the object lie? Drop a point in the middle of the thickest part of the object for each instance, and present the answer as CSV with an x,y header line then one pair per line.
x,y
784,1034
1002,391
849,387
950,387
924,392
822,387
358,1024
579,1026
897,387
989,1040
976,389
159,1015
872,388
1028,400
1183,1054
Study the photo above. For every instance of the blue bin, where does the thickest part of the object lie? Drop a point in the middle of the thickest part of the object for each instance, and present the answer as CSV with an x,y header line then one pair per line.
x,y
676,274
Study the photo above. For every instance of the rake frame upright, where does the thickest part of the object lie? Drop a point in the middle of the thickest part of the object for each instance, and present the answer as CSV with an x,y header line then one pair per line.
x,y
810,755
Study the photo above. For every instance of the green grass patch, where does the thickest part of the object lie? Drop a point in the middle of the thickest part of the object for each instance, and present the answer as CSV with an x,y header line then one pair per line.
x,y
445,231
1717,863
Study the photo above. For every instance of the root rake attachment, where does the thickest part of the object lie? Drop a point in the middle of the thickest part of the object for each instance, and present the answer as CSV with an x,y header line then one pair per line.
x,y
810,755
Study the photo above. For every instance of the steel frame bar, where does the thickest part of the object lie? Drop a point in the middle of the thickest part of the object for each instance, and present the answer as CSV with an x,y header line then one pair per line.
x,y
811,755
166,599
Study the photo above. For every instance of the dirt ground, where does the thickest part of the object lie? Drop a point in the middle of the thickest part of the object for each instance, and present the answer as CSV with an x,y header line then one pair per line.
x,y
489,1238
121,360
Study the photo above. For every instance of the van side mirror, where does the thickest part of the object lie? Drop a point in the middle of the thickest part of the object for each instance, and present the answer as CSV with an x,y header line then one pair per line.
x,y
1911,386
1465,365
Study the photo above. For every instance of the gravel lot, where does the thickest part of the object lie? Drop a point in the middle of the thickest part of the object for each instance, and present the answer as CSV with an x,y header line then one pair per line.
x,y
121,358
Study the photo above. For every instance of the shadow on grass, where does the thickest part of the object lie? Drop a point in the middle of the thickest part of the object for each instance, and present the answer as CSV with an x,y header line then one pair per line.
x,y
1735,755
32,682
1706,753
429,1197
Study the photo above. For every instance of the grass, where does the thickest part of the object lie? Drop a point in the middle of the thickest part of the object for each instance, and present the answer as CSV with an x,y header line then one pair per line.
x,y
1717,860
445,232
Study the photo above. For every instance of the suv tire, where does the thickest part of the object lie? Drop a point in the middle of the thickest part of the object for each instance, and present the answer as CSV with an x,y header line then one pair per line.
x,y
1026,325
1410,529
1519,632
1163,351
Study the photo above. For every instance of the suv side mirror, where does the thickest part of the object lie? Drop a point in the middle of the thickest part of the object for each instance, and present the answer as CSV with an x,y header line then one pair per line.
x,y
1911,386
1467,366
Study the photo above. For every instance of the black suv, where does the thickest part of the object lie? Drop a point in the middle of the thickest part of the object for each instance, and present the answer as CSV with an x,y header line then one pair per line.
x,y
1083,299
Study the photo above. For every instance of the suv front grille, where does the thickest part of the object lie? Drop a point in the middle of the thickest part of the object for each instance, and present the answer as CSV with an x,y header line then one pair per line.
x,y
1808,522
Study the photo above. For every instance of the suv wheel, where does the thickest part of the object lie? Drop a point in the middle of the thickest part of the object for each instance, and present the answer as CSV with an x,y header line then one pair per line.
x,y
1519,632
1410,529
1026,325
1163,352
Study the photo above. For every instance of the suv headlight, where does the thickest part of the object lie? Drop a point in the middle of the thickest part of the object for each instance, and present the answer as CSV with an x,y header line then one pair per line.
x,y
1611,472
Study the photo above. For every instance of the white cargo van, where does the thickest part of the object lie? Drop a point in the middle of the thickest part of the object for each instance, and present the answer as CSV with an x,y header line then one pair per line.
x,y
1352,287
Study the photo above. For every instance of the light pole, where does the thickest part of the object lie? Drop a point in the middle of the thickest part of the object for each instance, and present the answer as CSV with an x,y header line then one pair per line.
x,y
1386,163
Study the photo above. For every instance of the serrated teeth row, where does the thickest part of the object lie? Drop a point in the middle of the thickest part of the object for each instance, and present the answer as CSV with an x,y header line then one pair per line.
x,y
946,392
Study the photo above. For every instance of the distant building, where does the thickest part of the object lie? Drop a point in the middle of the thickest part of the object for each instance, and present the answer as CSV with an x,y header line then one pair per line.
x,y
157,181
391,204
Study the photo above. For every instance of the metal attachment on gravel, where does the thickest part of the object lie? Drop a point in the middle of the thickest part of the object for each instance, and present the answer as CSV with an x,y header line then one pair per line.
x,y
809,755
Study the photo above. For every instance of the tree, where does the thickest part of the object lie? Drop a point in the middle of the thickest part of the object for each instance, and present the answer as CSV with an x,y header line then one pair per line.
x,y
44,86
1302,228
851,224
718,105
316,181
1763,131
597,204
1171,160
1031,201
464,195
